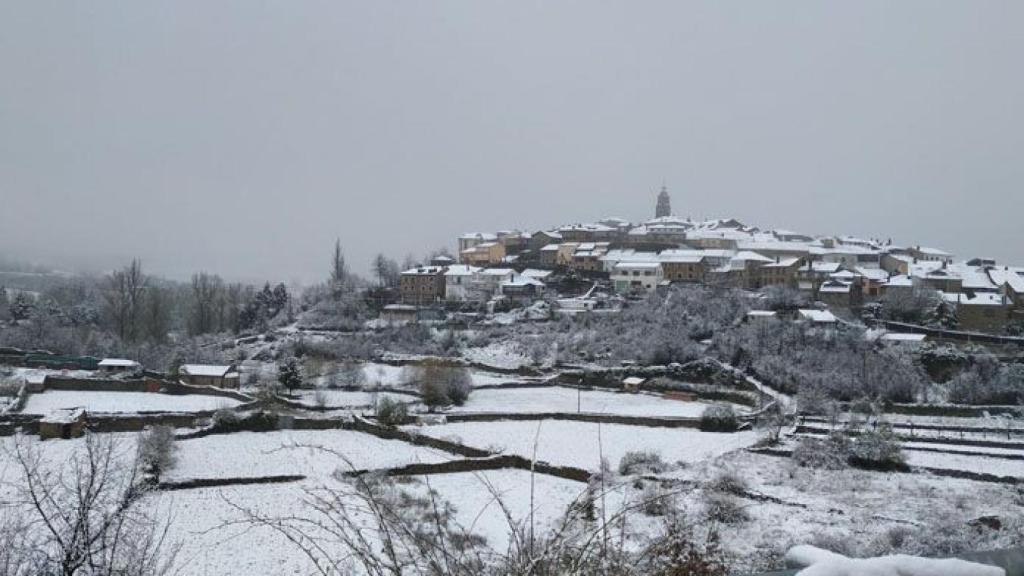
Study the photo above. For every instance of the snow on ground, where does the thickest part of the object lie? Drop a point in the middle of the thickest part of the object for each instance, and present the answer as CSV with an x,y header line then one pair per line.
x,y
578,444
388,375
383,374
559,399
201,521
54,455
478,510
124,402
498,354
980,464
852,509
349,398
37,375
249,454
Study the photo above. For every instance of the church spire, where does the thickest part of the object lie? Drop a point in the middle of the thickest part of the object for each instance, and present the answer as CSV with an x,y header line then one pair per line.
x,y
664,207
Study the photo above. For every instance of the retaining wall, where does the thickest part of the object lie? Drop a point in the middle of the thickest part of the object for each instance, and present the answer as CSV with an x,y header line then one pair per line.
x,y
481,464
652,422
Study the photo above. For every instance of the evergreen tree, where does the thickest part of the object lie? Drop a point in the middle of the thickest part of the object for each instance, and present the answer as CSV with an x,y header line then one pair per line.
x,y
289,374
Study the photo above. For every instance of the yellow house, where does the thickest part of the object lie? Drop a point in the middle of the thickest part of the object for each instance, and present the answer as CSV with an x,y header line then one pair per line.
x,y
483,254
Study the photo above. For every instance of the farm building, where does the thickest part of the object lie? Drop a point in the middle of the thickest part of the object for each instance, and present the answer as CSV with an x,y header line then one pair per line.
x,y
210,375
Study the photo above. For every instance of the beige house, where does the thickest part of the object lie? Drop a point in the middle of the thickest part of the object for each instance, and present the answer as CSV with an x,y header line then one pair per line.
x,y
683,267
483,254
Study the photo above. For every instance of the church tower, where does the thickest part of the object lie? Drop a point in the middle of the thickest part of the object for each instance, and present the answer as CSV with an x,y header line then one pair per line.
x,y
664,207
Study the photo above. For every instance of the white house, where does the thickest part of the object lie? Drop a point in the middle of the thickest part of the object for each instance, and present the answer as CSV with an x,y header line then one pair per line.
x,y
637,276
458,280
119,365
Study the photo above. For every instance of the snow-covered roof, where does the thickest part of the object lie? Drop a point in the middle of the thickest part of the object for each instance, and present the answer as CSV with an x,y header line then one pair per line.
x,y
424,271
835,287
762,314
1008,277
535,273
205,370
497,271
819,316
478,236
974,277
900,281
585,228
633,380
118,363
876,274
461,270
978,299
550,248
903,337
843,275
637,265
64,415
773,244
522,281
748,256
783,263
681,256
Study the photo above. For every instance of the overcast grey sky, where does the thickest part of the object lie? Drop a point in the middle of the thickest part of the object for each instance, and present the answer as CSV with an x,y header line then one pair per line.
x,y
243,137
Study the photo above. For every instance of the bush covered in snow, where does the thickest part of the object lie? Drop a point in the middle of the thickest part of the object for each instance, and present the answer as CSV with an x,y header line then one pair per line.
x,y
641,462
391,412
831,453
156,449
440,384
878,450
719,418
988,381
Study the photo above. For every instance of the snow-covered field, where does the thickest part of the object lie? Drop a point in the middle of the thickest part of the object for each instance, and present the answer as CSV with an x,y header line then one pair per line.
x,y
583,444
852,509
348,398
981,464
559,399
313,453
124,402
478,510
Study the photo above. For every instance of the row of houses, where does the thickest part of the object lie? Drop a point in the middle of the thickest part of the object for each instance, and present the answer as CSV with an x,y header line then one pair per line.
x,y
841,271
428,285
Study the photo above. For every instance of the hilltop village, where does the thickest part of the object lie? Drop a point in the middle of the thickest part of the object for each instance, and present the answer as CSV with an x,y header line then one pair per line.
x,y
584,266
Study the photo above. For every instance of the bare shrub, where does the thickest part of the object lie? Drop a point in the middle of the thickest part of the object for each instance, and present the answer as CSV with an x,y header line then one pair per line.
x,y
86,514
641,462
724,508
351,374
442,385
719,418
728,482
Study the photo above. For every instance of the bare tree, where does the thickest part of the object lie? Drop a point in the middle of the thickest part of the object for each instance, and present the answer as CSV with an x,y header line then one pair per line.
x,y
82,516
207,303
123,294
